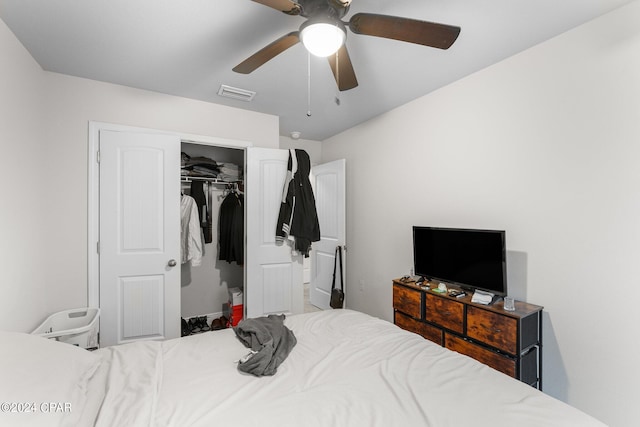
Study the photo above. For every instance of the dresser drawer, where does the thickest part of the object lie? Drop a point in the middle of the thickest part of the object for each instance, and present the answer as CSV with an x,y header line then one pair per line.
x,y
427,331
493,329
497,361
444,312
408,301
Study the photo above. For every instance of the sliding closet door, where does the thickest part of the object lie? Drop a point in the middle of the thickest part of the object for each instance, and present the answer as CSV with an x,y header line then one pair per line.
x,y
139,236
274,282
329,188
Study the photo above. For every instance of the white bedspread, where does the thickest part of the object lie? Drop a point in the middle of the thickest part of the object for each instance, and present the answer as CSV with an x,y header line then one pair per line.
x,y
348,369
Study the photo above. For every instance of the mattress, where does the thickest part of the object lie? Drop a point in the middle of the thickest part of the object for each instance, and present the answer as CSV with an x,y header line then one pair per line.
x,y
347,369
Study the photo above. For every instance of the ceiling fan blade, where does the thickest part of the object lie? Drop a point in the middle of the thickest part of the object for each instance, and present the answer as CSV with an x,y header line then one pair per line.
x,y
287,6
404,29
344,74
267,53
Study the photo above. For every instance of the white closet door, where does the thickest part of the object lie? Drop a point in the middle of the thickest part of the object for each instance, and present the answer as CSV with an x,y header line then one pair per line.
x,y
329,190
139,236
274,282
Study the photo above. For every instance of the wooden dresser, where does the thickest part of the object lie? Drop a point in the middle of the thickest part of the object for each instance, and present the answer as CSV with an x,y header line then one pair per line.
x,y
509,341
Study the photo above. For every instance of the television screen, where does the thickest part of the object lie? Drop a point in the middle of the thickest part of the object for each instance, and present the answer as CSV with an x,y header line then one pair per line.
x,y
474,259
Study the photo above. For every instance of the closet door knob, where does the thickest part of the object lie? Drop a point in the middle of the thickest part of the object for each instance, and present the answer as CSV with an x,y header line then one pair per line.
x,y
172,263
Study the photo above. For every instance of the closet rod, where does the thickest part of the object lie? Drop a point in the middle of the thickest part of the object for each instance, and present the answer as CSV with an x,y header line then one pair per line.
x,y
209,180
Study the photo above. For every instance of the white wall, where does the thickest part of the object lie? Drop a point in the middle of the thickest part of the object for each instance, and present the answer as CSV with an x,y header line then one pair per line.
x,y
313,148
23,296
44,138
544,145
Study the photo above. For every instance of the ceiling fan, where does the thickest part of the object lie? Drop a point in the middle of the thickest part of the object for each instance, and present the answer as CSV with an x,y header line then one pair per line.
x,y
324,26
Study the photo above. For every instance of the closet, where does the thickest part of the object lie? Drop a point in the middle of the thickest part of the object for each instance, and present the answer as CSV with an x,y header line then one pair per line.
x,y
217,175
134,259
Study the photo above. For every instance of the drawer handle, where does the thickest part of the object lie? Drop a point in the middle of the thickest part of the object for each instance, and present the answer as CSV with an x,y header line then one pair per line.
x,y
490,329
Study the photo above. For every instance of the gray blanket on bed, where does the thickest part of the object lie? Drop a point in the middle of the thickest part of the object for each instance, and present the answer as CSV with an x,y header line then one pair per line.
x,y
270,342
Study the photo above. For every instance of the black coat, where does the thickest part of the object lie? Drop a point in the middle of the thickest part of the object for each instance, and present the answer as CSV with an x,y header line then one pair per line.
x,y
298,216
231,229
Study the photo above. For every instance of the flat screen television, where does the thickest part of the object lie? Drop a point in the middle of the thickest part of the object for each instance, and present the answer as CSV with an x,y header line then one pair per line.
x,y
472,259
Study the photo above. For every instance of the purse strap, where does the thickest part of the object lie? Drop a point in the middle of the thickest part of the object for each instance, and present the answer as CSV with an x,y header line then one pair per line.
x,y
335,262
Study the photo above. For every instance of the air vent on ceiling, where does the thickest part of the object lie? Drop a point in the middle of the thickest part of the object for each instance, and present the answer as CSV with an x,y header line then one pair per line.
x,y
236,93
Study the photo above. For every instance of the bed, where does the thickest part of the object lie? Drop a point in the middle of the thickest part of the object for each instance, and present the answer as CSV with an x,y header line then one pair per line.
x,y
347,369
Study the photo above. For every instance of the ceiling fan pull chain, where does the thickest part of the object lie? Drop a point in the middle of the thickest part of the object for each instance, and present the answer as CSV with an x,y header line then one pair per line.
x,y
337,69
337,99
308,84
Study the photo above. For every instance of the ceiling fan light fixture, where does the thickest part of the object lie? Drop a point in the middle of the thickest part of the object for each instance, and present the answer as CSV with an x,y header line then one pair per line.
x,y
323,37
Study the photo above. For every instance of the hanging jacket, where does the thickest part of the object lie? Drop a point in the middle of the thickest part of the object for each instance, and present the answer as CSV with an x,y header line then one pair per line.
x,y
204,211
231,229
191,244
298,217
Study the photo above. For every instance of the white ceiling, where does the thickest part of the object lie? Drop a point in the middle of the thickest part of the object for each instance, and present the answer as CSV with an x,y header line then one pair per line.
x,y
188,48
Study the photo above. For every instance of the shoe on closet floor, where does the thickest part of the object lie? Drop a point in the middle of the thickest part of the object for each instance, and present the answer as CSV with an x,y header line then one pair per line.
x,y
185,327
216,325
219,323
204,326
194,325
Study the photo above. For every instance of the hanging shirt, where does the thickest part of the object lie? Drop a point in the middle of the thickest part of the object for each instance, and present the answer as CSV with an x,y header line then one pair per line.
x,y
191,242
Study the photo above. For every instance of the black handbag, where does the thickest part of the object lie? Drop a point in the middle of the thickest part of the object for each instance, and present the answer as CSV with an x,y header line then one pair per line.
x,y
337,295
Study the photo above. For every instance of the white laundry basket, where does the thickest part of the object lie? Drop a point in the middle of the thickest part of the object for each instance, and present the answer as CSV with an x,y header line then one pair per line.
x,y
77,327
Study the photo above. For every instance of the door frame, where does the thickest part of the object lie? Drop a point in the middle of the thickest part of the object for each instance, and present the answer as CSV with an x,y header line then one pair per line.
x,y
93,190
